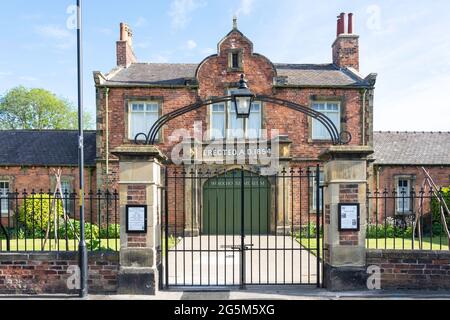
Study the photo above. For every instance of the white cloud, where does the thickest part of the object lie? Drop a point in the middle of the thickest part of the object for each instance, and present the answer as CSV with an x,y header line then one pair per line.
x,y
191,44
62,37
141,21
245,8
180,11
5,73
420,107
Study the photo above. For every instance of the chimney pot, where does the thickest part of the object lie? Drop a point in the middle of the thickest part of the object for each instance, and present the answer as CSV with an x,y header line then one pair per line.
x,y
123,32
342,18
350,23
338,32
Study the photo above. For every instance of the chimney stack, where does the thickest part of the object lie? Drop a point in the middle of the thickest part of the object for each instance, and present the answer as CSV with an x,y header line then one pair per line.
x,y
346,45
125,53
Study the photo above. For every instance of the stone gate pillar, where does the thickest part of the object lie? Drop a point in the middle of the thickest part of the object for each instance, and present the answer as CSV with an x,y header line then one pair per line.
x,y
140,184
345,251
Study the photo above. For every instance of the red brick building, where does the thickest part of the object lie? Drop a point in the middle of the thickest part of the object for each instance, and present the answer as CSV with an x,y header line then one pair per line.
x,y
132,96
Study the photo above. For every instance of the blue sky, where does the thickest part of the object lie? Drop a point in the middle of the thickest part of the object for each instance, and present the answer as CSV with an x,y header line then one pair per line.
x,y
406,42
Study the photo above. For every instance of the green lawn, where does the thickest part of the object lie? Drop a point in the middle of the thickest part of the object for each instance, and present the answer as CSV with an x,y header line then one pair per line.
x,y
36,245
30,245
390,244
407,244
310,244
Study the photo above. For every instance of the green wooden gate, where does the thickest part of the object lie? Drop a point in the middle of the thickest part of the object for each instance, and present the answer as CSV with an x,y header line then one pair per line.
x,y
222,204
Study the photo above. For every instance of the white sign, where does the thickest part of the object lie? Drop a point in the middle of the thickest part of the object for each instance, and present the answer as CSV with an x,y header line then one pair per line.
x,y
349,217
136,219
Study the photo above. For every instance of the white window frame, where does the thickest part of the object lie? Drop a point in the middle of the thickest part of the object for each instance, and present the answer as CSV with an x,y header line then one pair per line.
x,y
230,112
4,197
315,122
403,201
131,112
212,130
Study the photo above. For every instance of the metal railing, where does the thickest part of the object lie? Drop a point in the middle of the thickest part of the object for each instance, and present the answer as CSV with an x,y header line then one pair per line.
x,y
225,228
40,221
406,220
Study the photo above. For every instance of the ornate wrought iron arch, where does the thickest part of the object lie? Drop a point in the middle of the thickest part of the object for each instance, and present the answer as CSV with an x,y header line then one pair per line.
x,y
337,138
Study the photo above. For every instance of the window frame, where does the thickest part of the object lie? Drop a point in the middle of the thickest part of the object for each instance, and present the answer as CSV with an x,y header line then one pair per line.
x,y
129,106
340,112
228,113
231,67
5,212
399,196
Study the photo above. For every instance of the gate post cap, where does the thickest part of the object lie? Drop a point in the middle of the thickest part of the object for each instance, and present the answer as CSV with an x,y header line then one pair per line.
x,y
346,152
139,152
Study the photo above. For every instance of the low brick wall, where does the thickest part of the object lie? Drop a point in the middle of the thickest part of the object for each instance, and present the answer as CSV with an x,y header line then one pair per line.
x,y
46,273
426,270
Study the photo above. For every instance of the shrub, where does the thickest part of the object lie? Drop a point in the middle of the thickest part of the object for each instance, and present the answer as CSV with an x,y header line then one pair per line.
x,y
36,211
308,231
111,232
90,231
436,212
381,232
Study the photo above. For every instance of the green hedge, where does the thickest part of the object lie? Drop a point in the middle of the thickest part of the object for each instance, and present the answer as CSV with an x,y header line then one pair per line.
x,y
436,212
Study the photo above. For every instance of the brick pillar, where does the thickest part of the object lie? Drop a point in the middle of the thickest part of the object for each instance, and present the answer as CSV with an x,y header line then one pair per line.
x,y
140,184
345,251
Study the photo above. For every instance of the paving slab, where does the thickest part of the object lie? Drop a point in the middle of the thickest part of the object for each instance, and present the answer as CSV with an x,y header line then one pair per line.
x,y
212,261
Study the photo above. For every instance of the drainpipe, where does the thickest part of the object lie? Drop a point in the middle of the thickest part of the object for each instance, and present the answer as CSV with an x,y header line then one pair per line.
x,y
364,118
107,135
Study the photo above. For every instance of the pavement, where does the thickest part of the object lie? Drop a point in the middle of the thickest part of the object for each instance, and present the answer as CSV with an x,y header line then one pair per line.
x,y
257,293
211,260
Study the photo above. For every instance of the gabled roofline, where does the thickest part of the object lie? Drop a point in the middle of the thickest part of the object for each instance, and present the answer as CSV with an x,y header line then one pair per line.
x,y
229,34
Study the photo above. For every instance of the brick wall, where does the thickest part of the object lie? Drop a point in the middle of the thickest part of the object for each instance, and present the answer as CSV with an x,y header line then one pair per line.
x,y
137,195
412,269
46,273
387,175
38,178
348,193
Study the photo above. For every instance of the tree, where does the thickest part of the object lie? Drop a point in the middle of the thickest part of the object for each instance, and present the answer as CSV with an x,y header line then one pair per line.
x,y
37,109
